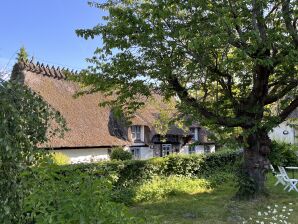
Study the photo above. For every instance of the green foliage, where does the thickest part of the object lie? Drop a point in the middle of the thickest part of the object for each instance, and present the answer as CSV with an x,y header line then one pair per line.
x,y
73,198
162,187
60,158
228,62
215,67
128,175
120,154
134,171
22,55
24,121
283,154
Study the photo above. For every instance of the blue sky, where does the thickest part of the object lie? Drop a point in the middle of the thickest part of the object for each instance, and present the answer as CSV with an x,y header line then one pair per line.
x,y
46,28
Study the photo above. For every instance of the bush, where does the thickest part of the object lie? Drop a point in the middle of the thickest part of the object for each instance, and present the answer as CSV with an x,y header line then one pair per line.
x,y
283,154
133,171
120,154
60,158
75,198
25,122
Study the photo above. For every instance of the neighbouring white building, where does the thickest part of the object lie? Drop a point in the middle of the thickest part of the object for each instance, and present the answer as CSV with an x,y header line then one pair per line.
x,y
94,130
287,131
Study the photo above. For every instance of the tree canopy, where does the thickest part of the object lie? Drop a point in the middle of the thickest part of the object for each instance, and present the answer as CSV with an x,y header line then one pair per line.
x,y
228,62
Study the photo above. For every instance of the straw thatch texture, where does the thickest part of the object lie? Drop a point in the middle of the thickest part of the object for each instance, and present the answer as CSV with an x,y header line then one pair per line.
x,y
89,124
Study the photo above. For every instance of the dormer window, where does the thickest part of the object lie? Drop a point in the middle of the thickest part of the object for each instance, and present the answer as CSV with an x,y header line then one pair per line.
x,y
193,134
136,132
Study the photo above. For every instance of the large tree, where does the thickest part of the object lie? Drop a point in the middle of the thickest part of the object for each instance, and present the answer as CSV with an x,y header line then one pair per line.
x,y
229,62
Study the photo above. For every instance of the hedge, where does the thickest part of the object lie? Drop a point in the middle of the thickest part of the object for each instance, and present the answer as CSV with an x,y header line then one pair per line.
x,y
136,170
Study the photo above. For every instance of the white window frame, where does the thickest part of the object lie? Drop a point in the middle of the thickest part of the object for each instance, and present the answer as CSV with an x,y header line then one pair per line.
x,y
167,149
136,153
136,132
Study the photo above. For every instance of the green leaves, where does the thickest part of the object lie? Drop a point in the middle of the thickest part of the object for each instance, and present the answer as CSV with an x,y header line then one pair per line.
x,y
73,198
24,121
242,48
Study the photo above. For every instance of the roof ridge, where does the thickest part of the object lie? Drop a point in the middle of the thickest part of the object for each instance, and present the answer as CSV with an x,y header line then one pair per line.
x,y
46,70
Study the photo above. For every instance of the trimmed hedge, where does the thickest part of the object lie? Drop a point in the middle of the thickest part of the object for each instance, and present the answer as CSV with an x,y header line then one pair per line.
x,y
130,171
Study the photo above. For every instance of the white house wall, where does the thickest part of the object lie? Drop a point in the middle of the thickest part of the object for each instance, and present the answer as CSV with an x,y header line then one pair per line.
x,y
184,150
146,153
199,149
278,135
99,154
85,155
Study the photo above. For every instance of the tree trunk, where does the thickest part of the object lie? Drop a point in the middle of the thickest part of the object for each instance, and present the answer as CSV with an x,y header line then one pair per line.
x,y
255,165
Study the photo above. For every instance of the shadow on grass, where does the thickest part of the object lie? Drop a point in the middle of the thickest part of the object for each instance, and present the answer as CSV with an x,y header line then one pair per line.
x,y
216,206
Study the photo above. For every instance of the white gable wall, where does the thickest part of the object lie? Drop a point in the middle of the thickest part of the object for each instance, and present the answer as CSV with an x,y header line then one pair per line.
x,y
277,133
85,155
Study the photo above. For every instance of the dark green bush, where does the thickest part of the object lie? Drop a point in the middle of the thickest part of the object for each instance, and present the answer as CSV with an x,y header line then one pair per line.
x,y
120,154
283,154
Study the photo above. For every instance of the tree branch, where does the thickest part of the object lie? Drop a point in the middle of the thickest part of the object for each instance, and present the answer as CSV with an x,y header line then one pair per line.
x,y
288,110
271,98
287,19
184,96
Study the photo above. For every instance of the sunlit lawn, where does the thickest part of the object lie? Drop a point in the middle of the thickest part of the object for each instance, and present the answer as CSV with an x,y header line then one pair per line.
x,y
215,206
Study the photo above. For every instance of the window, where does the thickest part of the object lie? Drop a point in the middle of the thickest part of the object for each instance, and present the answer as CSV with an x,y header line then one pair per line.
x,y
135,153
193,133
136,132
191,149
207,149
166,149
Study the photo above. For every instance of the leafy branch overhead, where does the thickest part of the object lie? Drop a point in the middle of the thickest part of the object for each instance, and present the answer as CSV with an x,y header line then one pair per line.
x,y
226,60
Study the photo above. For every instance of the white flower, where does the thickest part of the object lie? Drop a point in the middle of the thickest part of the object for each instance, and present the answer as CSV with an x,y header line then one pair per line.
x,y
259,213
290,209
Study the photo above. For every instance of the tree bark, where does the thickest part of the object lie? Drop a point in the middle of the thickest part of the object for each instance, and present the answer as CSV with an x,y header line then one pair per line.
x,y
255,165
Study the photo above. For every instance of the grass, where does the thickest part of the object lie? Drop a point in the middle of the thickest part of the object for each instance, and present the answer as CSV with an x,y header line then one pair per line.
x,y
214,206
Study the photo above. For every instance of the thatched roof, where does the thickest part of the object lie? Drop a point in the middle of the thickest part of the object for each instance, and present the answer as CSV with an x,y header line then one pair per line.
x,y
294,114
89,124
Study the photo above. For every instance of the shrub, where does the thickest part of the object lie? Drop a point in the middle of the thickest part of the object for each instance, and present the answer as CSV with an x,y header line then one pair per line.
x,y
133,171
283,154
60,158
25,120
120,154
74,198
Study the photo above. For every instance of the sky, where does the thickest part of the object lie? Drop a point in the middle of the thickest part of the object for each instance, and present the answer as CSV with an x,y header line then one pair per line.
x,y
46,28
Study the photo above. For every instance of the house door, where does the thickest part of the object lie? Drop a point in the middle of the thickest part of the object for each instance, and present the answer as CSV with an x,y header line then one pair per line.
x,y
166,149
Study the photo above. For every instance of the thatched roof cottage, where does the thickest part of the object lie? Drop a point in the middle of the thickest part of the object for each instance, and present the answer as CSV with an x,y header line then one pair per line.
x,y
93,129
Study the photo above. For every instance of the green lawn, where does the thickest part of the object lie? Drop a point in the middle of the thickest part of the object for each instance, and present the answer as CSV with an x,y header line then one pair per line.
x,y
216,206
